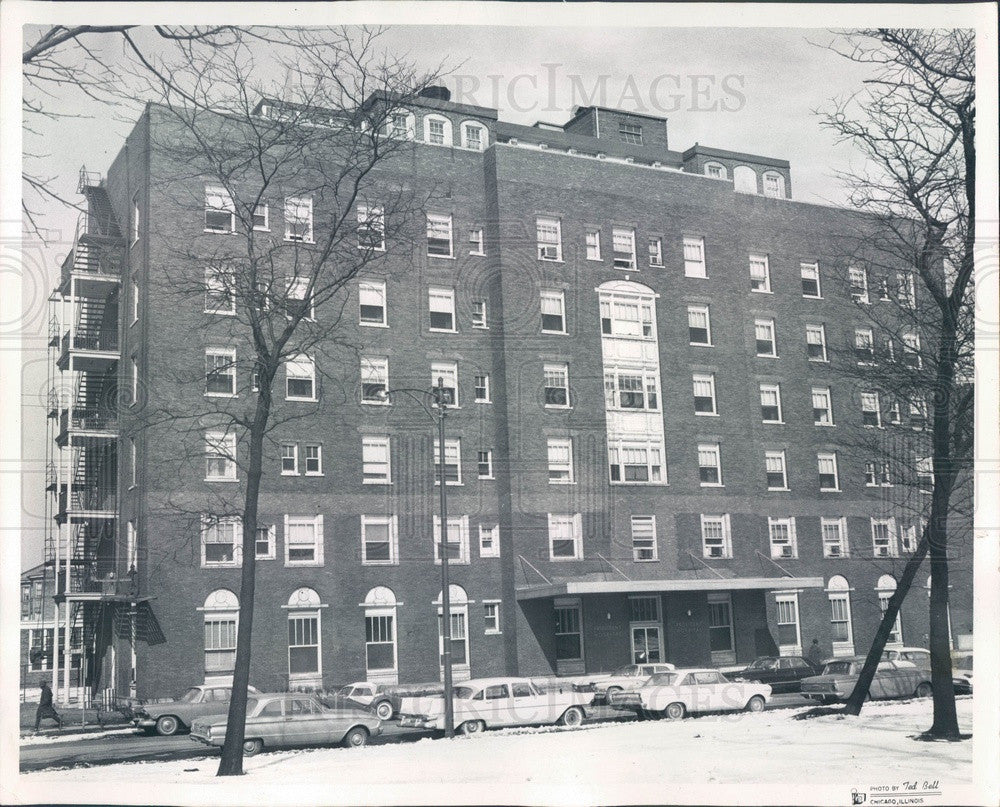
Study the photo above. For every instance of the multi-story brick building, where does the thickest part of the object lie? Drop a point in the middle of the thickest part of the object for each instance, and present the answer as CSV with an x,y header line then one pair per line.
x,y
648,454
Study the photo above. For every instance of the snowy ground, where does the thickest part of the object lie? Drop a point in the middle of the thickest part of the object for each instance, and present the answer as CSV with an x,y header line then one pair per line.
x,y
68,737
599,763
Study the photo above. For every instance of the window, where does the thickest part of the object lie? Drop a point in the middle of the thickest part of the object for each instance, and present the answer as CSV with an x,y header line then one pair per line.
x,y
886,587
553,311
133,468
560,458
623,247
911,351
221,540
313,459
774,467
760,274
489,541
925,474
822,403
380,635
858,279
303,644
473,136
549,237
457,540
303,540
289,459
484,463
220,212
716,539
556,378
789,640
264,541
437,130
644,538
816,342
379,540
260,219
135,300
481,388
375,461
908,535
834,532
774,186
299,219
479,314
906,292
632,389
918,411
565,537
400,124
704,394
593,240
452,462
744,179
709,465
476,242
694,257
458,629
371,297
636,462
220,371
782,535
221,611
872,474
300,379
439,235
220,287
770,403
442,308
568,631
630,133
374,380
864,345
135,380
840,615
135,218
870,413
656,252
491,616
810,279
827,465
715,170
298,299
447,372
884,538
764,334
220,456
629,316
699,326
371,227
894,412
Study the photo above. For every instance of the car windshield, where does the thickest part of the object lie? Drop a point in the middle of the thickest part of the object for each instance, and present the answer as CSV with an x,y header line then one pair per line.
x,y
762,664
463,693
628,670
964,663
193,695
837,668
345,691
662,680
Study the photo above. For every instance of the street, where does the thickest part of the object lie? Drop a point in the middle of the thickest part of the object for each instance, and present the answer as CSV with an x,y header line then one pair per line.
x,y
134,746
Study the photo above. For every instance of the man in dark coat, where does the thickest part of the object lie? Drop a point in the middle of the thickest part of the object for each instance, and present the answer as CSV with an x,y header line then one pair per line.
x,y
45,708
815,655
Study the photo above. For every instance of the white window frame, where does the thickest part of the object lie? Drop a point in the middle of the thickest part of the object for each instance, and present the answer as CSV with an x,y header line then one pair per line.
x,y
476,239
293,455
220,444
479,315
788,547
776,192
828,456
297,291
789,599
649,388
924,470
906,290
884,595
271,542
261,210
655,249
220,281
368,290
716,171
228,370
447,371
488,453
234,528
820,331
218,617
299,209
446,135
709,380
559,445
842,544
809,272
617,320
318,539
383,611
392,534
618,452
452,451
437,225
306,613
911,347
394,130
771,459
375,372
775,390
219,200
485,386
864,340
445,299
857,278
376,443
646,534
574,521
840,606
822,393
555,298
891,538
461,524
764,280
306,459
135,300
548,248
870,404
470,143
295,364
549,371
623,258
489,541
694,266
725,537
764,323
713,451
592,241
371,221
491,613
697,311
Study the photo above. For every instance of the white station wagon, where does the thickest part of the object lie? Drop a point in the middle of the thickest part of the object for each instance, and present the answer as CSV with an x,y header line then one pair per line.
x,y
675,694
496,702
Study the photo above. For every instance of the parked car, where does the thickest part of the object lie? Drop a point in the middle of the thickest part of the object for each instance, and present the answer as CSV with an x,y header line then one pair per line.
x,y
783,673
919,656
496,702
681,692
961,673
629,676
171,716
291,719
380,698
893,679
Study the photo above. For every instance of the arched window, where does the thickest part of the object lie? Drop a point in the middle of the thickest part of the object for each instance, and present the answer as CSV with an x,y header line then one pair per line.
x,y
305,661
380,636
745,179
716,170
774,185
885,588
841,630
437,130
221,616
458,606
400,123
474,135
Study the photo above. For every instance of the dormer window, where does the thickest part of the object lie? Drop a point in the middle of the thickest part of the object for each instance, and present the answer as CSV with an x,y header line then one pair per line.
x,y
630,133
715,170
774,185
474,136
437,130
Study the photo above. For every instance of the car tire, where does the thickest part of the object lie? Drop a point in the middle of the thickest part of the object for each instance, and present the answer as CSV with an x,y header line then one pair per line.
x,y
356,737
252,747
384,710
167,726
924,690
472,727
610,691
675,711
572,717
755,704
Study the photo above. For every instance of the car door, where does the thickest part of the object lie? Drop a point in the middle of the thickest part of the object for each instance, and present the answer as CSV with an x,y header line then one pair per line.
x,y
497,708
528,705
268,724
705,692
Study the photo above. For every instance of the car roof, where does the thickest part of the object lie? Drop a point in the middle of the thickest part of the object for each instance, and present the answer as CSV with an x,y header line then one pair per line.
x,y
486,682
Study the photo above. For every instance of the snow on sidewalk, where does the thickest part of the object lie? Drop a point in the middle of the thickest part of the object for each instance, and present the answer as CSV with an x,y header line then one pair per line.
x,y
769,747
72,736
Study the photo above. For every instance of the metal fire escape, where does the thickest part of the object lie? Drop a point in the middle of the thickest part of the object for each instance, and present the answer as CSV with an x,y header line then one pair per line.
x,y
94,578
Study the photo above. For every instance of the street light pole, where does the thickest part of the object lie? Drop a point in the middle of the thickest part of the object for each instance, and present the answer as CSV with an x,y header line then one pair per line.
x,y
449,706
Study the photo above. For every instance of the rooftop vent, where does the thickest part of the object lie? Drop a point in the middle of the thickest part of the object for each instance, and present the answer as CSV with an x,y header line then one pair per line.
x,y
436,92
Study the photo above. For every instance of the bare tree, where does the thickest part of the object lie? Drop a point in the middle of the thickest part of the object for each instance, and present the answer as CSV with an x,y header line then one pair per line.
x,y
302,174
915,125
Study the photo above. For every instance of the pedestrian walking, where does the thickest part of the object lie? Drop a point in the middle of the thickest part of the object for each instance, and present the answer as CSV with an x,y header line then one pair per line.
x,y
45,708
815,654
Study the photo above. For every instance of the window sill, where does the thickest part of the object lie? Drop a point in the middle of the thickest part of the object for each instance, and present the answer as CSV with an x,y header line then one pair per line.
x,y
551,260
621,483
478,254
645,560
375,482
563,560
711,485
701,344
220,479
374,324
366,402
596,260
372,249
773,422
557,407
229,564
262,229
767,355
825,425
442,257
221,395
303,400
298,240
314,473
696,277
492,633
482,401
443,330
656,266
778,490
707,414
290,563
217,232
812,297
819,361
561,482
366,562
480,327
761,291
289,473
220,313
555,333
131,487
264,557
437,484
831,490
488,555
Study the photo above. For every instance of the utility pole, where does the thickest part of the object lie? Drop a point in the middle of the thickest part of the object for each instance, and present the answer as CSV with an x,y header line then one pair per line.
x,y
449,706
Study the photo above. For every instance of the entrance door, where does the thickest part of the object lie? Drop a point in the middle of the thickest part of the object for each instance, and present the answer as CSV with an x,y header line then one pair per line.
x,y
646,629
720,628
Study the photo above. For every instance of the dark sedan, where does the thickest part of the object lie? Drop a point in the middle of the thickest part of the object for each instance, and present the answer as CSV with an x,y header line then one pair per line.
x,y
783,673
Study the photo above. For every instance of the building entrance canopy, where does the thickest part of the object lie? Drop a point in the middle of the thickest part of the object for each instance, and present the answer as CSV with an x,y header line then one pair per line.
x,y
582,587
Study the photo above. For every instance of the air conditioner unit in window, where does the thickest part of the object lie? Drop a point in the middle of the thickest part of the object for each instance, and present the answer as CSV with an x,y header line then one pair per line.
x,y
548,253
715,551
881,552
833,552
786,552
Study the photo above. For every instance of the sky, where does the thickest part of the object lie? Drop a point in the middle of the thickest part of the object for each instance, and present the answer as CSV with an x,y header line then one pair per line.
x,y
745,89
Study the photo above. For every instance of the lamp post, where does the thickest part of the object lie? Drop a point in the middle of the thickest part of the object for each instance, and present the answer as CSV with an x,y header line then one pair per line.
x,y
437,394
